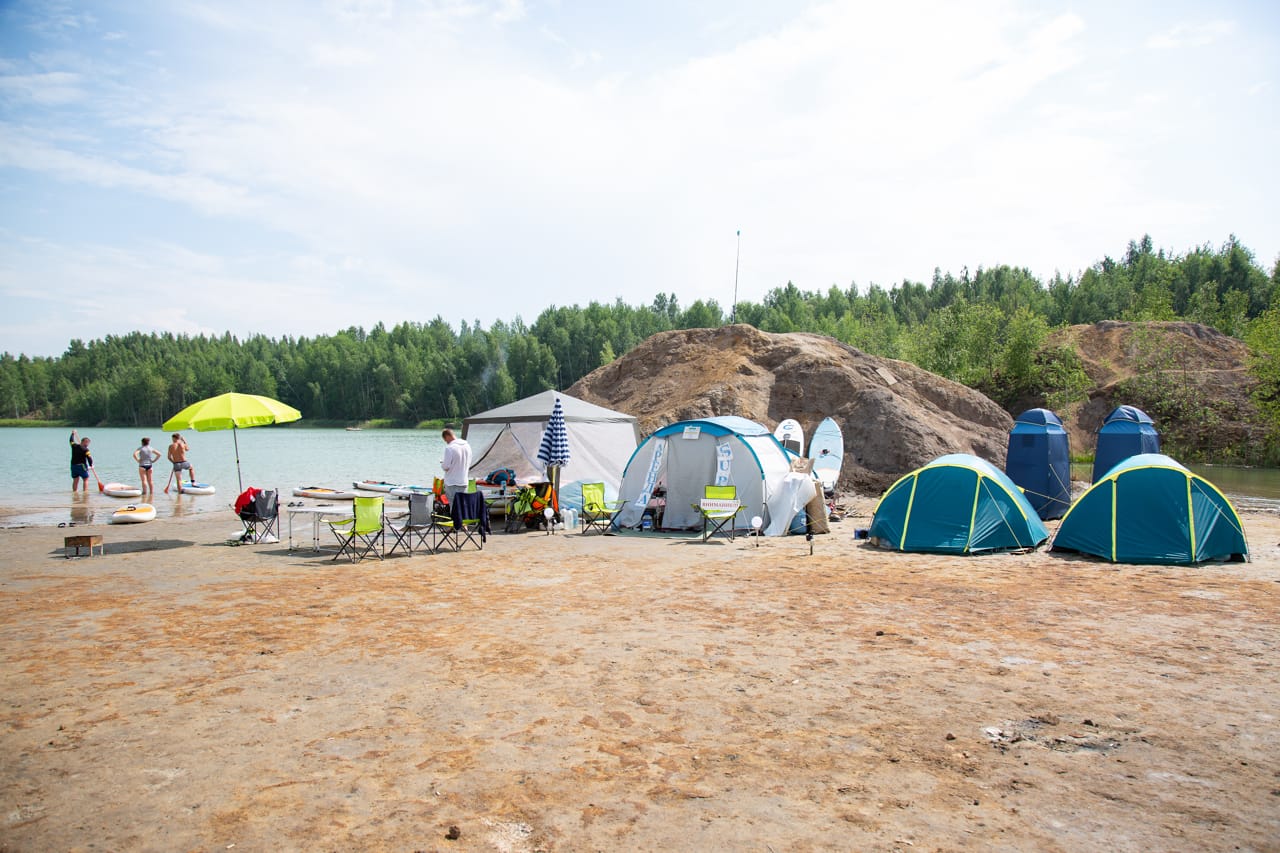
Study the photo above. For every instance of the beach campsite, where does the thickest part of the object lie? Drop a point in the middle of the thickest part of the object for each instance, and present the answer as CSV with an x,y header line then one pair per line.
x,y
948,682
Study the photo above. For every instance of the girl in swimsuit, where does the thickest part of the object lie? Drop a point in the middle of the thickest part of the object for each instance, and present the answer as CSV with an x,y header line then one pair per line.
x,y
146,456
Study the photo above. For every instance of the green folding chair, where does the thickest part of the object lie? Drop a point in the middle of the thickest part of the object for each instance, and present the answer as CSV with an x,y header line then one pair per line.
x,y
360,535
597,513
719,509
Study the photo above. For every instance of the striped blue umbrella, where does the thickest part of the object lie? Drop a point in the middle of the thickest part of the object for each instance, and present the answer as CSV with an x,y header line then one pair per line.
x,y
554,450
554,453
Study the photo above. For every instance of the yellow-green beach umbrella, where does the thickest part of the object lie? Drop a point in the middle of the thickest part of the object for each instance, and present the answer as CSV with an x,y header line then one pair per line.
x,y
232,411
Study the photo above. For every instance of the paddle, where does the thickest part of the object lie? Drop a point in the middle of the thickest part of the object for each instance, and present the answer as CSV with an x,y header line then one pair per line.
x,y
101,487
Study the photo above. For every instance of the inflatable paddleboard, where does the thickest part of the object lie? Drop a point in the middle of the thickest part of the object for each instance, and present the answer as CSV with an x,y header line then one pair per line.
x,y
133,514
826,449
121,490
323,493
374,485
197,489
791,434
405,491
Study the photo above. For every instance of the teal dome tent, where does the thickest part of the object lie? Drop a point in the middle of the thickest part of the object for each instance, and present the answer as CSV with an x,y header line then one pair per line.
x,y
1150,509
957,504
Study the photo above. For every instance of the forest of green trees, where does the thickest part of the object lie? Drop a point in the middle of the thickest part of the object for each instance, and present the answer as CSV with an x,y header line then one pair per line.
x,y
988,329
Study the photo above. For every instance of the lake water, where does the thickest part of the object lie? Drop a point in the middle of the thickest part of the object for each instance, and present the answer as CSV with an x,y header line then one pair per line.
x,y
35,476
35,480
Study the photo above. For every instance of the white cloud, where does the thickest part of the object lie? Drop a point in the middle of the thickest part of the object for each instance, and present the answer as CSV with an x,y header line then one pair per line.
x,y
55,87
1191,35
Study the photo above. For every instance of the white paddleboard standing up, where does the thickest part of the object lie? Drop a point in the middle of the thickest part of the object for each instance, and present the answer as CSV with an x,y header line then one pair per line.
x,y
826,449
791,434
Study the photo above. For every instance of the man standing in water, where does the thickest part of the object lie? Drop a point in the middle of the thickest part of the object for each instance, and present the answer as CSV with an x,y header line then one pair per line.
x,y
81,462
456,463
178,456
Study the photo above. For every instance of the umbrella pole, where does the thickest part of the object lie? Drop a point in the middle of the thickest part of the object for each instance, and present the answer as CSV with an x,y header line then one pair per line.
x,y
236,442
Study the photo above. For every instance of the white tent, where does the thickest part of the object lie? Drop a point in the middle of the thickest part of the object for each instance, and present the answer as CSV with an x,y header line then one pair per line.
x,y
688,456
600,440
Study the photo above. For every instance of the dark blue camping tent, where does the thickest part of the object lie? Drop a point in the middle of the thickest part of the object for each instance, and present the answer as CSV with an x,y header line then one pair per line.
x,y
1126,432
1150,509
1039,461
957,504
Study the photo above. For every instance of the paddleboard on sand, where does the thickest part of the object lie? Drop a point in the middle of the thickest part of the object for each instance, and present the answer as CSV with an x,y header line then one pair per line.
x,y
826,449
133,514
374,485
197,489
322,493
791,434
121,490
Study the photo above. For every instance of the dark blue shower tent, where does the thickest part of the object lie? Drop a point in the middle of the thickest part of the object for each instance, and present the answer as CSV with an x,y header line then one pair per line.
x,y
957,504
1150,509
1039,461
1126,432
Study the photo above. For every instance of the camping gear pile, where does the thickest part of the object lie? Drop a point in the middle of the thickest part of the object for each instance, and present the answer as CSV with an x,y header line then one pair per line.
x,y
528,510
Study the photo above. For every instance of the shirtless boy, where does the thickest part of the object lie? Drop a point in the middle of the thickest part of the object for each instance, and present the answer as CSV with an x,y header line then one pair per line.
x,y
178,456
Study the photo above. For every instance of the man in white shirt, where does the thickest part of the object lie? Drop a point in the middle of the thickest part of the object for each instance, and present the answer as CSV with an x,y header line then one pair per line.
x,y
456,463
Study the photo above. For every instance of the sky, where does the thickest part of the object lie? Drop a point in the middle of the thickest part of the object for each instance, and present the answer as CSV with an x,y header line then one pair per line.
x,y
295,168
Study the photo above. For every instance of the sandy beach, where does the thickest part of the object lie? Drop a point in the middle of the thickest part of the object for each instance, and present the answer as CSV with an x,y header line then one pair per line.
x,y
633,692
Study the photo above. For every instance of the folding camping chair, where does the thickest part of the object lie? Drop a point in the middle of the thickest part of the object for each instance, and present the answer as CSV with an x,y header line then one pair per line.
x,y
719,509
417,526
597,513
362,534
467,521
260,515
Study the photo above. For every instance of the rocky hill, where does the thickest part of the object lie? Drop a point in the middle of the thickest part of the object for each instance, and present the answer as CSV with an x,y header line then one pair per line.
x,y
895,416
1192,379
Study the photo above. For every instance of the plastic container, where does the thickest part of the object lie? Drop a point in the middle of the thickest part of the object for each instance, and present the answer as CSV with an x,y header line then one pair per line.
x,y
570,517
647,523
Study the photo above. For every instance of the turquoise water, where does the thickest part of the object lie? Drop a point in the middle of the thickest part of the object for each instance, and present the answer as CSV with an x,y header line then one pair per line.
x,y
35,477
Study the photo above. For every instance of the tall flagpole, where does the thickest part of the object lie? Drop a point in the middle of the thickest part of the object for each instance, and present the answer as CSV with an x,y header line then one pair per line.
x,y
733,316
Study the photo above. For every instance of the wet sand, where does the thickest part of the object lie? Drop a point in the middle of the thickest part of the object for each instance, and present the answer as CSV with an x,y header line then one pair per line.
x,y
569,692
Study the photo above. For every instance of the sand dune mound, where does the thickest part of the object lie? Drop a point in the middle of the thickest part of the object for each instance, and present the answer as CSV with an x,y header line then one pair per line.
x,y
895,416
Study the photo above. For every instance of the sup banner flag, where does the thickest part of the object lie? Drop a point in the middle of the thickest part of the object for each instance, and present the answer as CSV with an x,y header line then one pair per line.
x,y
724,464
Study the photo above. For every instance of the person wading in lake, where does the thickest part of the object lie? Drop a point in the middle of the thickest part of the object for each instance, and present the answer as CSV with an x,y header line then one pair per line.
x,y
178,456
146,456
81,462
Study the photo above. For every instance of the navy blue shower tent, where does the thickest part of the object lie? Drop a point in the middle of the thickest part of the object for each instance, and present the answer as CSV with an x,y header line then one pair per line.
x,y
1039,462
1126,432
